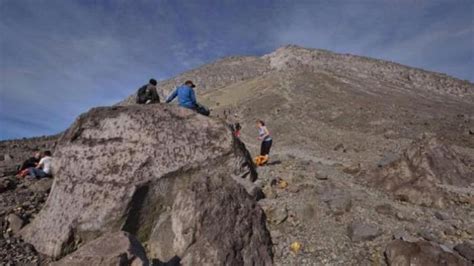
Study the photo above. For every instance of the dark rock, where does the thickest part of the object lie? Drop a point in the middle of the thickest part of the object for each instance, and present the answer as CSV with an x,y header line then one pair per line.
x,y
359,231
401,253
126,169
441,216
466,250
119,248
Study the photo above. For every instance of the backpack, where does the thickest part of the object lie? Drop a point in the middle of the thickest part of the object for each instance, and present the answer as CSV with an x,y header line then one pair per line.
x,y
142,95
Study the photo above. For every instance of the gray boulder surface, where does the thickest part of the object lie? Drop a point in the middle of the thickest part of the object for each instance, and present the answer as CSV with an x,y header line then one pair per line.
x,y
119,248
153,171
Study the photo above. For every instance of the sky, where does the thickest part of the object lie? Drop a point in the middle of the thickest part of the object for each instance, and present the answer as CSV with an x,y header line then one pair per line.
x,y
59,58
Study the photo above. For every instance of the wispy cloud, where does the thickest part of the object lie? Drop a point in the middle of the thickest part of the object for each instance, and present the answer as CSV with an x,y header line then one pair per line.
x,y
59,58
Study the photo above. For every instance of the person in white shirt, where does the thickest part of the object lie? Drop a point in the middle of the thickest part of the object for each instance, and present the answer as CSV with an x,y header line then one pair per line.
x,y
44,166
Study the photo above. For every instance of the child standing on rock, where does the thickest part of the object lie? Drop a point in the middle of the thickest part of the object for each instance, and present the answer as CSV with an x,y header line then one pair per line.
x,y
264,136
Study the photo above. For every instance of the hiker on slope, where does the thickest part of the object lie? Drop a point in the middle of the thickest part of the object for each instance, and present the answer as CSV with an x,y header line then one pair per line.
x,y
147,93
187,98
264,136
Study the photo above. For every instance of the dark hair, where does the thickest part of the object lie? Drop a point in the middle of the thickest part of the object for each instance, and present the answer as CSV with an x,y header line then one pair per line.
x,y
153,82
190,83
261,122
47,153
237,126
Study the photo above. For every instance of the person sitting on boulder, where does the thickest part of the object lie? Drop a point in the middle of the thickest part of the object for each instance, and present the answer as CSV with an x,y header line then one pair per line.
x,y
187,98
264,136
31,162
147,93
43,169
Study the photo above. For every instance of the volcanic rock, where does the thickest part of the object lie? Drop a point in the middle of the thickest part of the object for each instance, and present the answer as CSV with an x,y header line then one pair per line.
x,y
418,175
148,170
401,253
119,248
466,250
15,223
359,231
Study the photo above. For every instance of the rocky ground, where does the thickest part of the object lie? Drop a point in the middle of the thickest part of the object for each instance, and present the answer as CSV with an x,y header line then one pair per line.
x,y
20,202
339,221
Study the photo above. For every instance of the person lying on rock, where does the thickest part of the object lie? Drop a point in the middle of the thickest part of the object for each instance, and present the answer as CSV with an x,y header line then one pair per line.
x,y
147,93
43,169
264,136
187,98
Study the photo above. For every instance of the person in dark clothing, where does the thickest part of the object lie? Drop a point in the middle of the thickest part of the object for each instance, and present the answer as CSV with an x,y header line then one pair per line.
x,y
187,98
31,162
147,94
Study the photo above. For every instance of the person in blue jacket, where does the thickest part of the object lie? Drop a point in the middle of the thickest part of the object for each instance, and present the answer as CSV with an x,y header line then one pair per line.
x,y
187,98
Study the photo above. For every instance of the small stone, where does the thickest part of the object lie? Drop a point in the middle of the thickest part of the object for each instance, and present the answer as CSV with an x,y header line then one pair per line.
x,y
321,177
385,209
352,169
387,159
339,147
42,186
269,192
441,216
359,231
277,215
428,235
339,205
402,217
15,223
294,189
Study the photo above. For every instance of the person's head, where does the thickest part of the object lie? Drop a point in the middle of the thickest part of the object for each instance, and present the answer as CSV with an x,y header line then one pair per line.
x,y
37,154
237,126
260,123
189,83
153,82
47,153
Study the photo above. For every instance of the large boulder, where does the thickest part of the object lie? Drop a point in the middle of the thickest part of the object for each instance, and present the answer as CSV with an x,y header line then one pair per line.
x,y
165,174
425,173
403,253
118,248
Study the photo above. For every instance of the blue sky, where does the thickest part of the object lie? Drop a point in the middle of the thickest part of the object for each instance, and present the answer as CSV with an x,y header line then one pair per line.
x,y
58,58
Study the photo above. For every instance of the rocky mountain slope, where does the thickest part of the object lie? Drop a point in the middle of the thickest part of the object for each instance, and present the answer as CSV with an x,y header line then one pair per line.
x,y
372,161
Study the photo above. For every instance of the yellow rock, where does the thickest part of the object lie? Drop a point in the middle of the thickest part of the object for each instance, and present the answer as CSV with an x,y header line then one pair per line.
x,y
295,246
282,184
